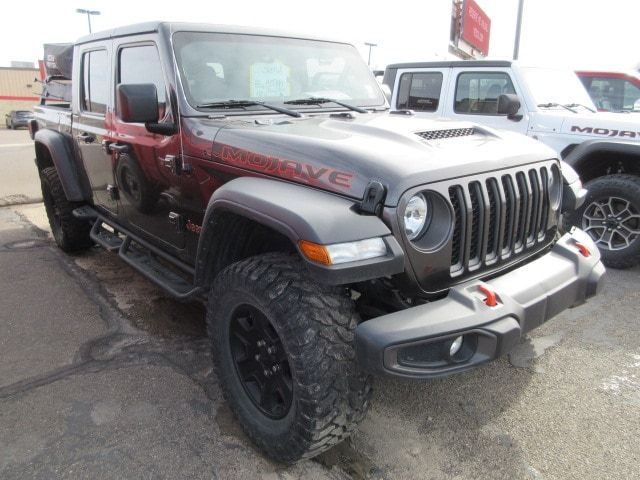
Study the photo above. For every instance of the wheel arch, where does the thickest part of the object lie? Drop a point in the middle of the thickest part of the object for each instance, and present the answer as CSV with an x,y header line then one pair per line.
x,y
593,159
278,215
53,149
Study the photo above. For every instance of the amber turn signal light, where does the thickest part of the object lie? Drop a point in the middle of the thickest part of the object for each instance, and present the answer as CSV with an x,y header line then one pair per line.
x,y
314,252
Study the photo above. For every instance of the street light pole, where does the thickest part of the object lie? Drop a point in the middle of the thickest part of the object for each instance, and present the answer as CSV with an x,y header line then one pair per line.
x,y
88,13
516,46
370,45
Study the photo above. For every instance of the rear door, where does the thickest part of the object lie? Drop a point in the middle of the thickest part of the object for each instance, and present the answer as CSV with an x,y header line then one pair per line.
x,y
474,97
91,119
420,90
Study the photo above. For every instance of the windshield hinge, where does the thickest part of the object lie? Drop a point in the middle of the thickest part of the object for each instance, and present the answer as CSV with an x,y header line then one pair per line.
x,y
176,164
373,200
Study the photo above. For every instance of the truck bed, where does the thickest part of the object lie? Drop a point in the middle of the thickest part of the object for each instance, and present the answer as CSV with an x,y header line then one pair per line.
x,y
55,117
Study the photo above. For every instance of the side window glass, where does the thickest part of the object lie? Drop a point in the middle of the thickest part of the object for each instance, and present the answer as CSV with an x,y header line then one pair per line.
x,y
631,95
606,93
478,92
141,64
403,91
95,81
420,91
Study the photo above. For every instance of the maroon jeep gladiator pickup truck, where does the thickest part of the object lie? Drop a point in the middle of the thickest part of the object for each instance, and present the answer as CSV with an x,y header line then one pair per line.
x,y
332,240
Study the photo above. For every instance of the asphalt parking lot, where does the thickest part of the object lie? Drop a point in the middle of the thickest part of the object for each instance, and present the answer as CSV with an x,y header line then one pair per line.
x,y
104,376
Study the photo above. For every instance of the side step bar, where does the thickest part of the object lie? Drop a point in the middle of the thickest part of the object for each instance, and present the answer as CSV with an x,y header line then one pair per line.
x,y
144,261
149,260
109,240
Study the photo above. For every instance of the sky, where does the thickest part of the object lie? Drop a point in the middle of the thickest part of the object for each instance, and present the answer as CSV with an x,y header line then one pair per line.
x,y
577,34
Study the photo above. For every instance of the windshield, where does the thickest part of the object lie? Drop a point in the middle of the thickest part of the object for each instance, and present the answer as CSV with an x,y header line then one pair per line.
x,y
548,85
217,67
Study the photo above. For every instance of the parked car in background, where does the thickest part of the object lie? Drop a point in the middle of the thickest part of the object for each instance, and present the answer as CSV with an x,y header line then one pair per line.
x,y
613,91
550,105
18,118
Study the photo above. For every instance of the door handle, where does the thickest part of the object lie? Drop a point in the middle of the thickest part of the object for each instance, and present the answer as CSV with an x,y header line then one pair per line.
x,y
86,137
119,148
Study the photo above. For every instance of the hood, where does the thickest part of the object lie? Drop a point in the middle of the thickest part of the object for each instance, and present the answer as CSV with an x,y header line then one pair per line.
x,y
621,126
343,153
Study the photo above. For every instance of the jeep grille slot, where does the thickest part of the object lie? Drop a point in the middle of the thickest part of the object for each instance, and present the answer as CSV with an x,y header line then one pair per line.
x,y
455,194
498,218
448,133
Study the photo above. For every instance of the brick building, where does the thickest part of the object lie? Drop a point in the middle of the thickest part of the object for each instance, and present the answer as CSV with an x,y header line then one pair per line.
x,y
19,89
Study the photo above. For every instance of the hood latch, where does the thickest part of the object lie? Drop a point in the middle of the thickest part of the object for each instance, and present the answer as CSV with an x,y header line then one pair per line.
x,y
373,200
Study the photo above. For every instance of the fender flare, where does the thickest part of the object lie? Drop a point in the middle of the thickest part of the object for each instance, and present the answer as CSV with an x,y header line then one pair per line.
x,y
301,213
63,158
580,155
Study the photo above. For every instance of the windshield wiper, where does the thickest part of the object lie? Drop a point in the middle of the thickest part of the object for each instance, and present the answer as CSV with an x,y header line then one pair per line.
x,y
248,103
321,100
551,105
573,105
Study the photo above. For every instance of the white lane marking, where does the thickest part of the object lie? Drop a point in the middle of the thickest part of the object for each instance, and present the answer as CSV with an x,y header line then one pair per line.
x,y
14,145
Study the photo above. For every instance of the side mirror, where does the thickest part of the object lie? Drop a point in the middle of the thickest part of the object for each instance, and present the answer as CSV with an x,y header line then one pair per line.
x,y
387,91
636,105
508,104
137,103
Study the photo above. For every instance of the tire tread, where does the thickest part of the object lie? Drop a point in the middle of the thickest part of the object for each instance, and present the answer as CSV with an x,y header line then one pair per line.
x,y
316,326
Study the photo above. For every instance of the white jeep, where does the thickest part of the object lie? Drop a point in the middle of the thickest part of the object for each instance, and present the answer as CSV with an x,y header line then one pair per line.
x,y
552,106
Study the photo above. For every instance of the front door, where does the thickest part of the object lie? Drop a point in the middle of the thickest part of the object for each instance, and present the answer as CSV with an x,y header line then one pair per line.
x,y
474,98
90,123
149,191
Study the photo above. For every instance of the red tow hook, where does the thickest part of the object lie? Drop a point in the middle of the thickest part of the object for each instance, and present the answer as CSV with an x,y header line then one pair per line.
x,y
491,300
584,251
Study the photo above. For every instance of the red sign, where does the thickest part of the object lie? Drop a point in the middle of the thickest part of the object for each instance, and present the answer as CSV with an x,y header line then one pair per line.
x,y
476,27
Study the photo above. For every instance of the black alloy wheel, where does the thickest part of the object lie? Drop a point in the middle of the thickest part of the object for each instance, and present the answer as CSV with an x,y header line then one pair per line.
x,y
261,362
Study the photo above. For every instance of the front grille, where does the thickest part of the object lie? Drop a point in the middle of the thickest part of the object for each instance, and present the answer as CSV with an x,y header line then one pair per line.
x,y
498,218
448,133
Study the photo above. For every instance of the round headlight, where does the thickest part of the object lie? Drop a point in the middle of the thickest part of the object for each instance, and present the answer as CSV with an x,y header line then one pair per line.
x,y
415,216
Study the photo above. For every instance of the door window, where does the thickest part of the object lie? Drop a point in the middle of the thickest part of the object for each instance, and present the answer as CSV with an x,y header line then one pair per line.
x,y
420,91
631,96
615,94
141,64
477,92
95,81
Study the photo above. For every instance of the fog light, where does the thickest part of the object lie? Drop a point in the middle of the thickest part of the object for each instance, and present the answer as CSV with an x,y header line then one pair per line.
x,y
456,345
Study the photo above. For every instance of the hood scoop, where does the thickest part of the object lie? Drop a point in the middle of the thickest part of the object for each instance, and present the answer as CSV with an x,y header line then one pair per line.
x,y
448,133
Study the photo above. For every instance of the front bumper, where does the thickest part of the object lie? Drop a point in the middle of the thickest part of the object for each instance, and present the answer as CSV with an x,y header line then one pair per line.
x,y
415,342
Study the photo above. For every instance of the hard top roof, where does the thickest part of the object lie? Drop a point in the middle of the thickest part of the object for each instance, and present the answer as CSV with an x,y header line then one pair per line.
x,y
151,27
453,63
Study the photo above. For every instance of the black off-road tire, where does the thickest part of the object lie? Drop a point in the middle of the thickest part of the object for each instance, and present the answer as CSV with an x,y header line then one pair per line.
x,y
70,233
627,188
315,324
137,189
